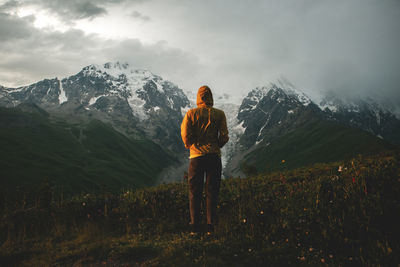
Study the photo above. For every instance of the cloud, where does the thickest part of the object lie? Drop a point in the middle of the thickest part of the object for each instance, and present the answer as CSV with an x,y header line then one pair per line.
x,y
9,5
72,10
350,47
138,15
12,28
30,54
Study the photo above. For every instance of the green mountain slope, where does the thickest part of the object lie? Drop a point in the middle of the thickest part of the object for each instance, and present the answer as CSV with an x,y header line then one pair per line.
x,y
313,142
79,157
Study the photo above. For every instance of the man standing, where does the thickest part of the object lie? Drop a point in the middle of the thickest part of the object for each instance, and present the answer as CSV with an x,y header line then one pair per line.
x,y
204,132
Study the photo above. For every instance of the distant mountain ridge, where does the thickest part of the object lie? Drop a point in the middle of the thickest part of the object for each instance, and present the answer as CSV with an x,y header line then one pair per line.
x,y
271,119
136,102
282,113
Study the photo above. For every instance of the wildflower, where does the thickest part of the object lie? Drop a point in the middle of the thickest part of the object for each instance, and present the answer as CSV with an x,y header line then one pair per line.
x,y
261,212
354,180
83,204
249,249
310,249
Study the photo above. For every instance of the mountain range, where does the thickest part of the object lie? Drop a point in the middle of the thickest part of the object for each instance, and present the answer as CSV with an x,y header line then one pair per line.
x,y
280,123
275,126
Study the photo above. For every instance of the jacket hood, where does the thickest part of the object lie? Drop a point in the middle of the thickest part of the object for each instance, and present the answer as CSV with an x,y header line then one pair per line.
x,y
204,97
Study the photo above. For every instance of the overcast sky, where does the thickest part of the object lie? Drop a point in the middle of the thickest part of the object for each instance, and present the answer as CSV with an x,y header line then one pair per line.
x,y
348,46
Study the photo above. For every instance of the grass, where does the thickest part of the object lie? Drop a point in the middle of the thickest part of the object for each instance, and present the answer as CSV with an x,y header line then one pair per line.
x,y
308,216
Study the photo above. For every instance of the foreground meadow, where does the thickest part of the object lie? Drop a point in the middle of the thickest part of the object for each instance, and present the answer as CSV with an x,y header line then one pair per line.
x,y
337,214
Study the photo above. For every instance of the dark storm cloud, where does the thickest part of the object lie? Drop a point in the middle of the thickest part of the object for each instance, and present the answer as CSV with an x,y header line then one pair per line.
x,y
79,9
74,9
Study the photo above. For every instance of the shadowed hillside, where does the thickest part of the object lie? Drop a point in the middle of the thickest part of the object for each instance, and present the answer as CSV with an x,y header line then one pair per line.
x,y
81,157
316,141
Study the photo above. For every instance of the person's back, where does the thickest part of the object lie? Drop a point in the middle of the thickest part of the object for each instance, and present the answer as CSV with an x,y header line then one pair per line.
x,y
204,132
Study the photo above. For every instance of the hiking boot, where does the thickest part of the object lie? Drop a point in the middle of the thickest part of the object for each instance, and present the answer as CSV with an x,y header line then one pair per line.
x,y
210,229
193,234
194,230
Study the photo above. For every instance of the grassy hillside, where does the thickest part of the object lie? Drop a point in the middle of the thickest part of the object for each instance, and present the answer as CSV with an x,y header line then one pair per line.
x,y
315,141
324,215
76,158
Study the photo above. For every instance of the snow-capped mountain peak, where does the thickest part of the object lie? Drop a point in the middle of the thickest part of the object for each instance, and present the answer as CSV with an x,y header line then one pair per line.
x,y
135,101
123,71
142,89
290,89
280,91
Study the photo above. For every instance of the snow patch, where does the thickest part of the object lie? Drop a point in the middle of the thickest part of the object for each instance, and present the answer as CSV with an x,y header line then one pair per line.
x,y
137,106
257,142
94,99
62,97
14,90
159,86
328,105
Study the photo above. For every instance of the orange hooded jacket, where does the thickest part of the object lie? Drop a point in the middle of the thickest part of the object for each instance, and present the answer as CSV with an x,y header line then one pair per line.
x,y
204,129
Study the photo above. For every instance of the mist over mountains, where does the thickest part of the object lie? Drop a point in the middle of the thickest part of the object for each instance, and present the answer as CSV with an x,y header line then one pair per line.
x,y
272,123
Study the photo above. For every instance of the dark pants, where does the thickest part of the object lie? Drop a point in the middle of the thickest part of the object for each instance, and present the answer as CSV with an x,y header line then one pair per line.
x,y
210,165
